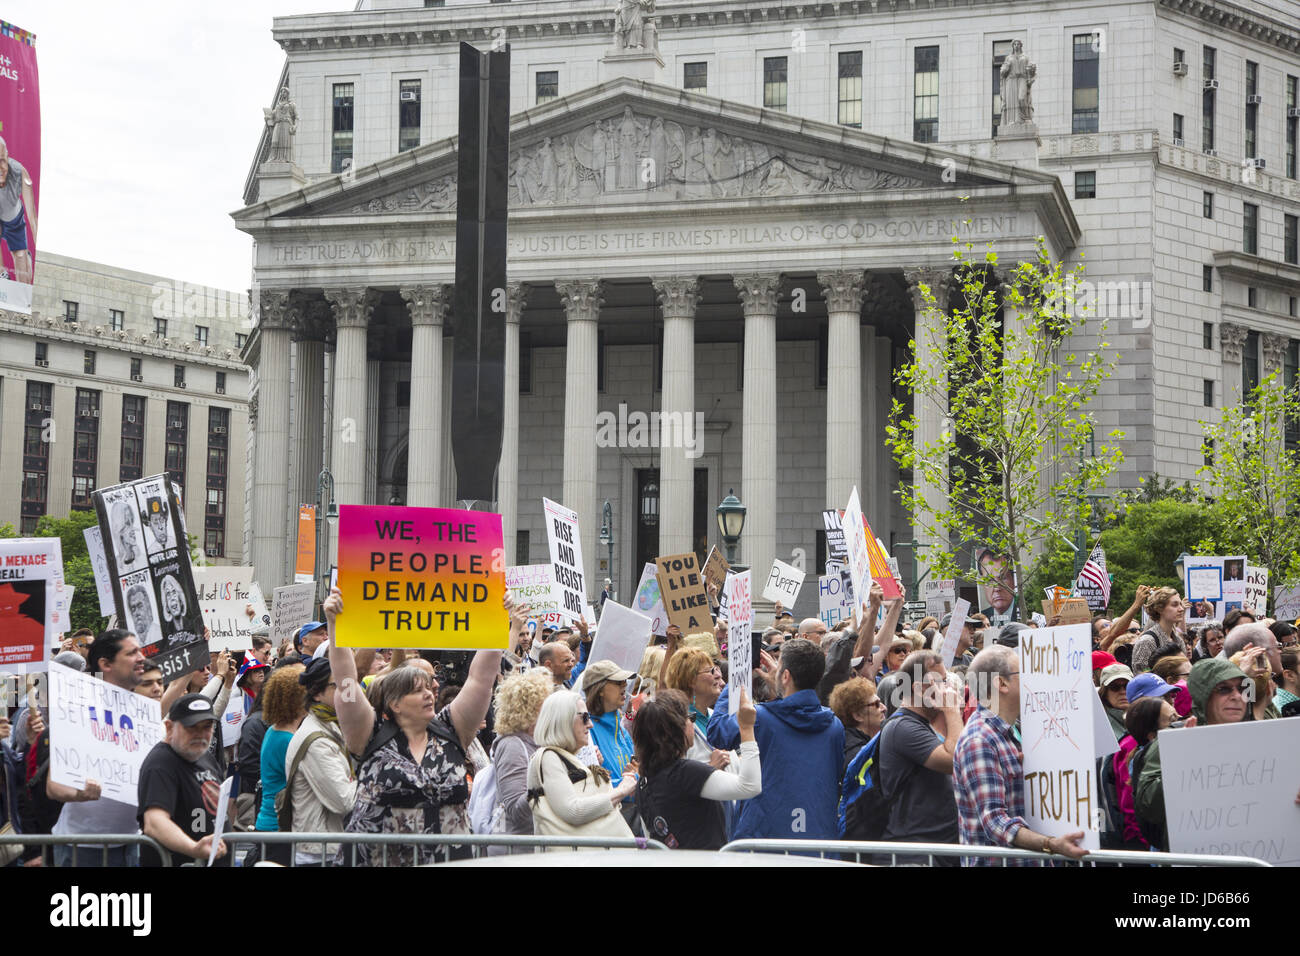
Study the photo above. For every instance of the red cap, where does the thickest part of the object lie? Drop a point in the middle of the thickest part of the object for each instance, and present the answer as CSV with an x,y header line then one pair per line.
x,y
1101,659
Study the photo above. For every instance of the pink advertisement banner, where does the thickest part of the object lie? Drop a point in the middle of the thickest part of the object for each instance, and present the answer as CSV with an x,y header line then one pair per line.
x,y
20,166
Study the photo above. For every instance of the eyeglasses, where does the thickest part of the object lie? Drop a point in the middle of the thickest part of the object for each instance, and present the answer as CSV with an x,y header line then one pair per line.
x,y
1225,689
715,669
898,650
585,718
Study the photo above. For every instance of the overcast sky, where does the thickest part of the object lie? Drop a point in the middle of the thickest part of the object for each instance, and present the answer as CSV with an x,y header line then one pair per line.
x,y
150,113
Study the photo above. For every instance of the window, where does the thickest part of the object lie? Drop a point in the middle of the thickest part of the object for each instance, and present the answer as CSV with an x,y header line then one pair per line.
x,y
341,138
174,459
850,89
1000,50
1250,364
925,94
1207,393
160,328
179,377
775,82
88,362
81,489
600,361
1207,100
137,370
1207,205
132,457
116,319
132,453
1178,129
525,363
1290,252
1207,278
1209,452
1290,306
823,354
548,85
34,442
1086,93
240,340
214,539
408,115
216,501
70,311
1179,56
1250,228
521,546
1207,335
87,403
404,394
221,383
1252,109
1292,122
201,334
34,485
695,76
1252,297
216,462
42,354
1085,185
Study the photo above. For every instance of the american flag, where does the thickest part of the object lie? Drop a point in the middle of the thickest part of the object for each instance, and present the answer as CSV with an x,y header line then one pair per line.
x,y
1094,574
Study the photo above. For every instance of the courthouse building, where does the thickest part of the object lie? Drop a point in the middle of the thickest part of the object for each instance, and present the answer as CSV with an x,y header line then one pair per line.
x,y
722,211
118,375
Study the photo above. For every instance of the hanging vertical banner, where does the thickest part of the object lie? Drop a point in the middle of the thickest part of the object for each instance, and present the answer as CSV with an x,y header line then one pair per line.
x,y
304,567
421,577
31,569
566,556
20,166
858,554
149,568
649,602
740,636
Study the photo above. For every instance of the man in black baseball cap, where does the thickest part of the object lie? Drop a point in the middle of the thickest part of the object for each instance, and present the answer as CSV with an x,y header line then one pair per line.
x,y
180,784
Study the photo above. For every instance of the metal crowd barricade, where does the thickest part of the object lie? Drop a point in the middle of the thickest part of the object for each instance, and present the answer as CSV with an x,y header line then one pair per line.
x,y
476,842
82,843
931,851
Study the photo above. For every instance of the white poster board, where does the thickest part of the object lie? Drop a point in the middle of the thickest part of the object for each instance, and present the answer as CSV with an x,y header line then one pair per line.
x,y
563,534
621,637
1230,789
101,732
939,596
99,565
291,608
833,602
232,720
649,602
31,595
783,583
1103,736
1256,592
533,585
1056,725
952,637
219,824
855,543
1217,580
224,596
740,635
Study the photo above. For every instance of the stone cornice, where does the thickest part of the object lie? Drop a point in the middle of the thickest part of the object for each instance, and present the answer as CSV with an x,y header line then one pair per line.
x,y
1222,15
102,337
1255,270
1219,170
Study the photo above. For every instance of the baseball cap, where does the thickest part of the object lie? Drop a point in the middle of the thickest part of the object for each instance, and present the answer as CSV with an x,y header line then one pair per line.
x,y
785,612
191,709
947,620
305,630
1147,685
1114,672
603,670
1102,659
1009,635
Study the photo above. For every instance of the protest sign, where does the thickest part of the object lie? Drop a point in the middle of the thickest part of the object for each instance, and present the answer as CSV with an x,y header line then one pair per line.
x,y
715,571
1230,789
858,556
291,608
682,590
31,570
421,577
566,556
884,569
649,602
224,596
258,600
740,636
1103,736
99,731
304,567
833,603
533,585
99,566
1215,585
232,720
1073,610
149,570
952,637
939,596
1286,603
833,522
1056,725
621,637
1256,592
219,824
783,583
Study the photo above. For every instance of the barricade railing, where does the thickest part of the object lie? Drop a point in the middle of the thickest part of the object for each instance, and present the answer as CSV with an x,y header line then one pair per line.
x,y
86,845
477,843
926,854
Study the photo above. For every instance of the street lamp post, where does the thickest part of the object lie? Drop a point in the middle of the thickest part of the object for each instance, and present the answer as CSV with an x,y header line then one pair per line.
x,y
731,522
607,537
325,509
914,546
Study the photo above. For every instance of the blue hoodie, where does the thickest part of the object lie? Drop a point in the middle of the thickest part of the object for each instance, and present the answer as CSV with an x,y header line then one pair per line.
x,y
801,746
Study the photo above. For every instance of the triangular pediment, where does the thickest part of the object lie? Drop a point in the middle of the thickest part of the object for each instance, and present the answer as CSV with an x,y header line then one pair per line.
x,y
630,141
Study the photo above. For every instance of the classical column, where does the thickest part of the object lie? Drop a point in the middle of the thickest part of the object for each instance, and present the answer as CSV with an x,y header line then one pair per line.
x,y
427,305
758,453
1232,338
352,309
582,300
309,402
271,487
931,411
678,296
843,292
508,470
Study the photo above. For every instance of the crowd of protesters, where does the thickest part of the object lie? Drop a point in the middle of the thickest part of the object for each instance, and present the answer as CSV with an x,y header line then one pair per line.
x,y
541,739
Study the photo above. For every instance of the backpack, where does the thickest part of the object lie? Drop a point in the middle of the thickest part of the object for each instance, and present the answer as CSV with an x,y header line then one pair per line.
x,y
284,799
863,812
1153,831
484,811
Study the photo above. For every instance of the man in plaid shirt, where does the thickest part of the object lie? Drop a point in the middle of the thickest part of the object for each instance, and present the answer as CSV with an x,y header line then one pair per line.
x,y
986,770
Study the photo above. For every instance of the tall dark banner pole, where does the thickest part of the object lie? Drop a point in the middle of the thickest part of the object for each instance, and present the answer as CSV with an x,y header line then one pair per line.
x,y
479,322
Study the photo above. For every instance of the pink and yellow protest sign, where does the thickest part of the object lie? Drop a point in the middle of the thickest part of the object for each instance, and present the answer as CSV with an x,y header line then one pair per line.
x,y
421,577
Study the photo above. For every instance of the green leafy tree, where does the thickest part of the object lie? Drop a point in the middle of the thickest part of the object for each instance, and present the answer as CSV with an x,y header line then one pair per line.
x,y
1016,413
77,569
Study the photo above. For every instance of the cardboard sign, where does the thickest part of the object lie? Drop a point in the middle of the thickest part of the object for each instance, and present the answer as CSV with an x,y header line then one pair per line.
x,y
304,567
682,589
833,601
1056,725
148,558
291,608
31,573
858,556
533,585
715,571
421,577
622,637
1286,603
1073,610
1230,789
566,556
952,637
101,732
833,523
740,635
224,596
939,596
99,566
783,583
1256,591
649,602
